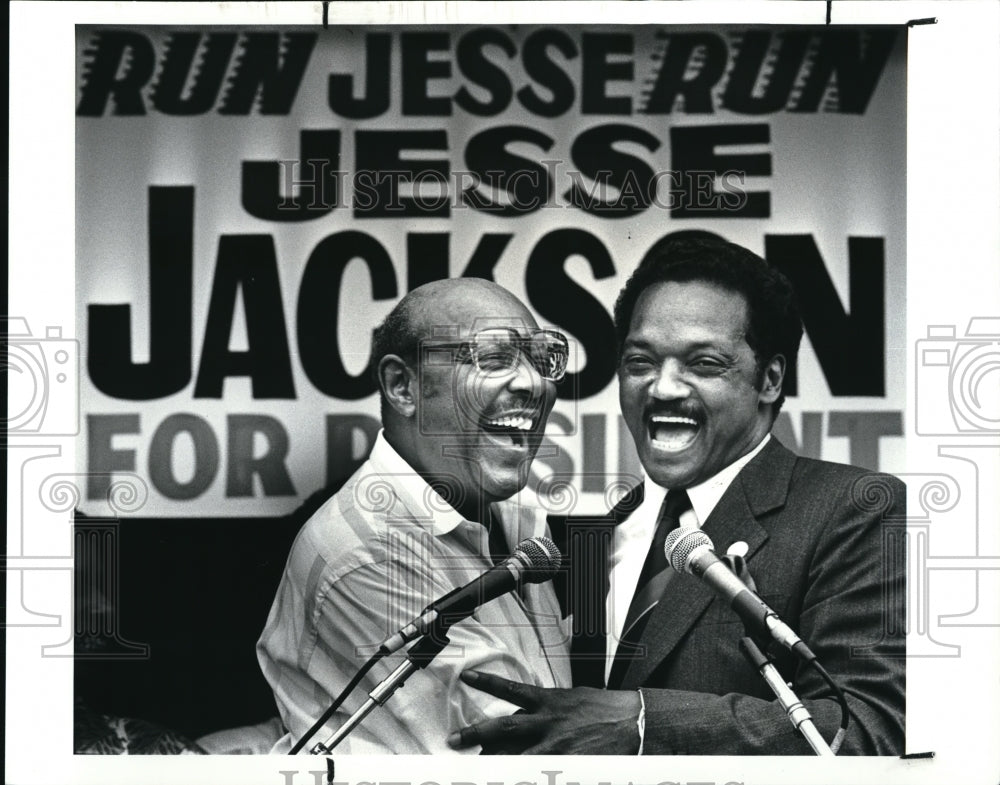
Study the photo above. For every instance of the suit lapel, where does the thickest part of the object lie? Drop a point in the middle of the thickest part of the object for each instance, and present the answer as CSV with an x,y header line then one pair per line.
x,y
762,486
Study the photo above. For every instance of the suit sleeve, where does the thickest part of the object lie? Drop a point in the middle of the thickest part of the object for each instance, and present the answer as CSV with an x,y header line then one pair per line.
x,y
851,614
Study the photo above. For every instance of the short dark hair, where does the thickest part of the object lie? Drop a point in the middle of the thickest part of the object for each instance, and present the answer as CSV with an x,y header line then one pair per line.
x,y
396,335
774,325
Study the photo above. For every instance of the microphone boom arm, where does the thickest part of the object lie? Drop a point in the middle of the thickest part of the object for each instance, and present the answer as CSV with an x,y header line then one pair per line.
x,y
419,656
535,560
797,713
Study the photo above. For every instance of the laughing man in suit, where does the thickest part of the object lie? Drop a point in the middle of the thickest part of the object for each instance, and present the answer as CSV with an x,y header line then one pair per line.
x,y
706,333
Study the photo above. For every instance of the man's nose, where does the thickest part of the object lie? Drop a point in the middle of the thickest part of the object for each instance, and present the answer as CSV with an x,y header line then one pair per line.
x,y
669,384
525,376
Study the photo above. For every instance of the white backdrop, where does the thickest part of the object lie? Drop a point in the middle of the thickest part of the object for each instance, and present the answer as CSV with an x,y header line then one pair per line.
x,y
789,141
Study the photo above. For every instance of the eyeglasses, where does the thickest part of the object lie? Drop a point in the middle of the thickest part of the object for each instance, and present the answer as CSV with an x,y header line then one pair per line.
x,y
499,350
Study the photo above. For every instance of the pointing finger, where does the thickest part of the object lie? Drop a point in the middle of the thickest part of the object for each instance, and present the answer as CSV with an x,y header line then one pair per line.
x,y
526,696
499,731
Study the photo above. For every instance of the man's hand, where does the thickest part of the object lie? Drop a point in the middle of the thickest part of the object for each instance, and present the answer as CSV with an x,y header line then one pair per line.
x,y
582,720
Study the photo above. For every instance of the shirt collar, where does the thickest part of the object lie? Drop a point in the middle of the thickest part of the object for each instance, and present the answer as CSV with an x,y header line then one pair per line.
x,y
705,495
427,507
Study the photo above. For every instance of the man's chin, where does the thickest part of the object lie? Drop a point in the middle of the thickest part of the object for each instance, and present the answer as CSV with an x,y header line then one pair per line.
x,y
502,484
671,470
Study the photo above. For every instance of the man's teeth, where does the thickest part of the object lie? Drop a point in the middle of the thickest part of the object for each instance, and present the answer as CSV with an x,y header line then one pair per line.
x,y
671,420
521,423
672,433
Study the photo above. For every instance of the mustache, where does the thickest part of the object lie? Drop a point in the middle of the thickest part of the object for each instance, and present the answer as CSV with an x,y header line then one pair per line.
x,y
679,409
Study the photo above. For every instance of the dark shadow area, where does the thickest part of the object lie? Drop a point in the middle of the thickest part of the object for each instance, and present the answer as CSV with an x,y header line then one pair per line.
x,y
168,612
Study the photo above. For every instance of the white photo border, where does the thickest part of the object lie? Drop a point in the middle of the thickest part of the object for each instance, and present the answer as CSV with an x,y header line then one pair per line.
x,y
953,273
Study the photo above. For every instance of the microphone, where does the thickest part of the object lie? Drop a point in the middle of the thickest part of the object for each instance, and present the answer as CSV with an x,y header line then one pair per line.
x,y
690,550
535,560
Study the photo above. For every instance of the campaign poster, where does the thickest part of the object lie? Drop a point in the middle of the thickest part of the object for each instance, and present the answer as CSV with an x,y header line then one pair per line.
x,y
213,205
251,203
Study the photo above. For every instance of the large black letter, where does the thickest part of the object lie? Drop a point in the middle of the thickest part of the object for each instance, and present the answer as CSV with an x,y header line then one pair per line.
x,y
428,255
671,80
594,153
482,71
598,71
270,65
541,69
696,165
567,304
525,183
270,466
182,50
109,344
246,262
110,53
864,431
161,450
418,70
850,349
319,310
340,87
857,74
102,458
782,68
381,170
318,183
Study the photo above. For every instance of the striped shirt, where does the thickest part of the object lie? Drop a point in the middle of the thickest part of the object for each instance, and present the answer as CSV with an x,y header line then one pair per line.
x,y
367,563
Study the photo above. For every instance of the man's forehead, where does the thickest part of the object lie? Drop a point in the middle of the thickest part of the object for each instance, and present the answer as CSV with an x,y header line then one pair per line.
x,y
695,307
463,310
693,299
500,325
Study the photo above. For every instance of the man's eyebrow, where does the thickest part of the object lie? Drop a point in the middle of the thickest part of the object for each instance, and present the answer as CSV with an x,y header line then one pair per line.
x,y
635,343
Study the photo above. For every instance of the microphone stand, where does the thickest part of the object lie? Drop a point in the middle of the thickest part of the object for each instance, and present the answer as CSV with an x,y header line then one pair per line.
x,y
418,656
798,714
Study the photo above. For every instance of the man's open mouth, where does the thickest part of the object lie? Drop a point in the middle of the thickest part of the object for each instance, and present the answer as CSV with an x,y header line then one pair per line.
x,y
672,433
511,428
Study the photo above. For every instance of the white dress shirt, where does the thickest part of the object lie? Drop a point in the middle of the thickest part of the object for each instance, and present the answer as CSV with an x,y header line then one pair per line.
x,y
633,536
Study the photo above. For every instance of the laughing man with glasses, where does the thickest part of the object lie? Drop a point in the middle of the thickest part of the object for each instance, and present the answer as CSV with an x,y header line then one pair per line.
x,y
466,382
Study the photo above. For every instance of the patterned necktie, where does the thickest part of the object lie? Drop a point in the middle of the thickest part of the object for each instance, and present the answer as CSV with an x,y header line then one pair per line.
x,y
652,581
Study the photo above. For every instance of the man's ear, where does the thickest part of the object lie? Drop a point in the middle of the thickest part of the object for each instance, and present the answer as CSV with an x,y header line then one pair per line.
x,y
772,379
397,383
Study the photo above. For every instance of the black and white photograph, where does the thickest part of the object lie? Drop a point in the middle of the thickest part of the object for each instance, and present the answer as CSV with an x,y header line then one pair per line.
x,y
401,385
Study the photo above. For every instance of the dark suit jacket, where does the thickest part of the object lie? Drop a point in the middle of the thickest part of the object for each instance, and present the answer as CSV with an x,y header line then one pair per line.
x,y
827,552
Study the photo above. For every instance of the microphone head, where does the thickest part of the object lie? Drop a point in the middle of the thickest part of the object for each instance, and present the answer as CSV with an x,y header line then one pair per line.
x,y
681,545
539,558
